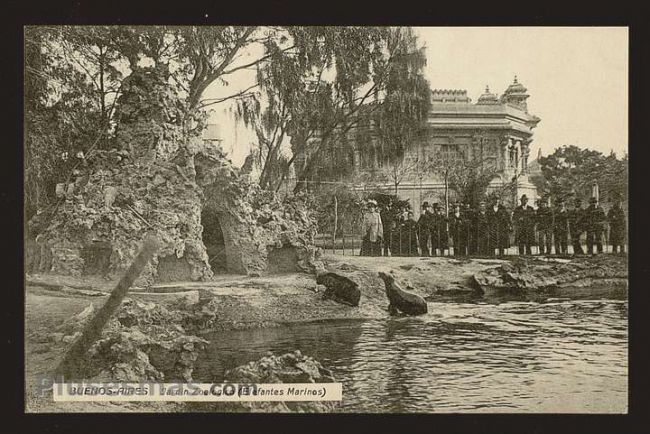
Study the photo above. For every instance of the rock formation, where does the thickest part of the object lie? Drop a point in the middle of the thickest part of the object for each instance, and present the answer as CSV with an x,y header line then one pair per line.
x,y
157,179
292,367
523,275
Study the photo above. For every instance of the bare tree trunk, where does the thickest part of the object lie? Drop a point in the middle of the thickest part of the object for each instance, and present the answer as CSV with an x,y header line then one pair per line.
x,y
336,223
72,364
447,192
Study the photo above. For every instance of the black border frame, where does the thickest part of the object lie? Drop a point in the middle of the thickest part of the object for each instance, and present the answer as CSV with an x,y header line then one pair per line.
x,y
282,12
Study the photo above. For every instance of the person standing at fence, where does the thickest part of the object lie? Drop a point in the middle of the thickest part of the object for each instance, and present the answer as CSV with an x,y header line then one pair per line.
x,y
524,220
561,228
393,235
617,226
458,225
424,229
576,226
469,214
596,221
498,228
372,229
440,234
387,217
480,228
434,230
409,236
544,220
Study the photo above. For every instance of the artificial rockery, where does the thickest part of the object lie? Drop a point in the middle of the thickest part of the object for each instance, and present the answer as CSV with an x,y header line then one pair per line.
x,y
156,180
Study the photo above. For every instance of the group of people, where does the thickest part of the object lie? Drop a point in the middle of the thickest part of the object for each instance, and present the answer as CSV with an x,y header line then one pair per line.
x,y
486,230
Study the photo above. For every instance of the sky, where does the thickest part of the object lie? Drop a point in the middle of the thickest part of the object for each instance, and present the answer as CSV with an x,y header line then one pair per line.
x,y
577,79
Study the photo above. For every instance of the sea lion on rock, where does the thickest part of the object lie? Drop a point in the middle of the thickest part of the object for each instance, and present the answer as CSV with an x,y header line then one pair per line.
x,y
339,288
400,300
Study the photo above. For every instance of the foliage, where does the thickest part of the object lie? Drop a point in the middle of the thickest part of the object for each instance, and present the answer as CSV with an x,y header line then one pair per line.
x,y
467,176
401,117
324,86
571,172
349,205
314,85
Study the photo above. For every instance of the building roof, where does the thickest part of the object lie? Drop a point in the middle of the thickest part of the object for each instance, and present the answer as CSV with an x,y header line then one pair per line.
x,y
489,116
488,98
452,109
450,96
516,88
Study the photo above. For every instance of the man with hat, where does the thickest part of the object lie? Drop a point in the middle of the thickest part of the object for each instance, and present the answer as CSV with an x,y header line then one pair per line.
x,y
524,220
616,219
469,214
459,227
480,230
596,219
498,220
544,220
576,226
409,236
439,232
424,228
372,229
561,228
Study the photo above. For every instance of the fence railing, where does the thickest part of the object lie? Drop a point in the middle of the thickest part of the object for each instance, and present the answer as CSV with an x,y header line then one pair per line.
x,y
346,243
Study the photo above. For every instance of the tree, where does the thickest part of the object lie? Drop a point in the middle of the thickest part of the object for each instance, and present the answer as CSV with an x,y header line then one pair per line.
x,y
71,84
324,86
402,114
74,78
398,170
467,176
572,171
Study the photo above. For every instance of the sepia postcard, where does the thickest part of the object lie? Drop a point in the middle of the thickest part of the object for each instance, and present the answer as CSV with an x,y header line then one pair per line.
x,y
325,219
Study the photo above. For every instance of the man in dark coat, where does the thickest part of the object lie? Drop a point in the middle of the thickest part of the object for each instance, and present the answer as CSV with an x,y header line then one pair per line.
x,y
561,228
459,228
544,220
596,220
409,236
393,234
524,220
424,229
480,229
439,234
576,226
469,214
617,226
433,229
498,227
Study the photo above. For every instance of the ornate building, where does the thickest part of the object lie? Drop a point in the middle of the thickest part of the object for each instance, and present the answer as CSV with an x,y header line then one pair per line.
x,y
495,132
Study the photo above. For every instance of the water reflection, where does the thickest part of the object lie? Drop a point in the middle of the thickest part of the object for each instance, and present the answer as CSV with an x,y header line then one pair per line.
x,y
549,355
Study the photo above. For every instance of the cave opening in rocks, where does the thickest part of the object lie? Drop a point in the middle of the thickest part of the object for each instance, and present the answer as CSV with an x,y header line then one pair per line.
x,y
97,258
214,241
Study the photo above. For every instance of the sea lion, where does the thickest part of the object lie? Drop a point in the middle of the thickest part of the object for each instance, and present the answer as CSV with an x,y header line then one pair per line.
x,y
339,288
400,300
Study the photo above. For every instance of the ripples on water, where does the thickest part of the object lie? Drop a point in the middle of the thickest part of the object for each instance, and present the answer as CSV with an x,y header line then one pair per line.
x,y
557,355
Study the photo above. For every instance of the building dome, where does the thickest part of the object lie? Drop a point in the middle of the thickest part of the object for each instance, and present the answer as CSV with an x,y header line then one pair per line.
x,y
516,88
516,95
487,98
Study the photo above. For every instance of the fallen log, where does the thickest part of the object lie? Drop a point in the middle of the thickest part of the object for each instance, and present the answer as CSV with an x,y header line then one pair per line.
x,y
71,366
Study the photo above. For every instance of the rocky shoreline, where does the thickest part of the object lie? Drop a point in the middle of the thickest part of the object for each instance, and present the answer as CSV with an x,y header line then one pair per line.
x,y
157,333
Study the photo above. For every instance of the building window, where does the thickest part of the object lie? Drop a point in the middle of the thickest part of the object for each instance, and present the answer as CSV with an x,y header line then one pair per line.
x,y
450,152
